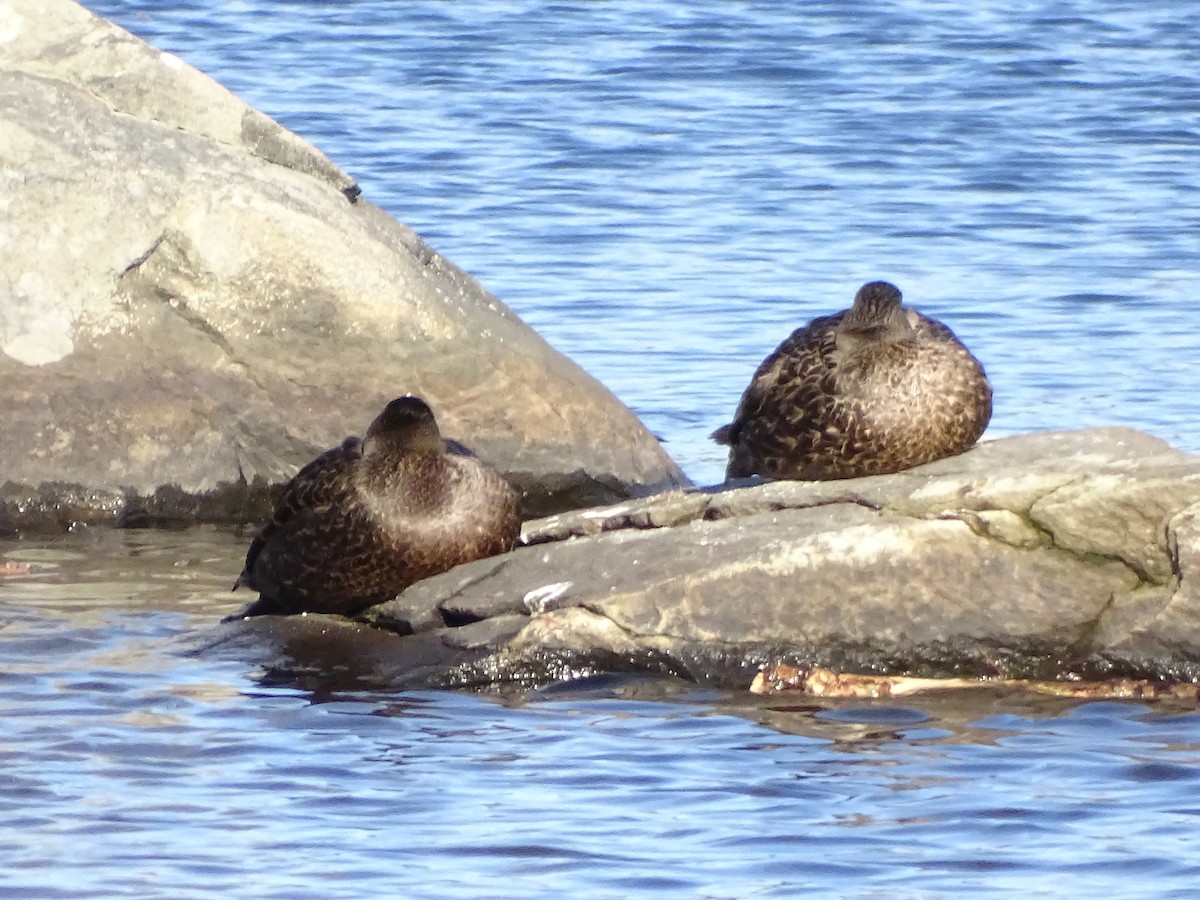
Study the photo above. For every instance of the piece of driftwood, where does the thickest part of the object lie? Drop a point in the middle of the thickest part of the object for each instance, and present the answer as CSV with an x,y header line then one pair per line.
x,y
818,681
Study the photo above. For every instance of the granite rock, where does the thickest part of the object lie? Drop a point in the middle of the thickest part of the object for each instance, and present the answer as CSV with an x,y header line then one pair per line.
x,y
1047,555
194,302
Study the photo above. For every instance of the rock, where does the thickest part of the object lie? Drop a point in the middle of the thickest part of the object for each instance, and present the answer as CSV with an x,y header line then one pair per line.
x,y
194,302
1042,556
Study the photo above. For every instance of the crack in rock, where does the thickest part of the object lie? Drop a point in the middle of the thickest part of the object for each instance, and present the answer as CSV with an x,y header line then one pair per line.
x,y
141,260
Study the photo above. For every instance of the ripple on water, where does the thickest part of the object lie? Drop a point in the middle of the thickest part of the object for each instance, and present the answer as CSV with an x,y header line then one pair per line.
x,y
666,195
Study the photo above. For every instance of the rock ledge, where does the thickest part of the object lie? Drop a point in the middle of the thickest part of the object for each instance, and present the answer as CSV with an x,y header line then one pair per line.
x,y
1048,555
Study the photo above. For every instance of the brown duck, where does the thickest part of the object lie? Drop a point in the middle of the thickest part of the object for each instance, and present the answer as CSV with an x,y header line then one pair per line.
x,y
363,521
873,389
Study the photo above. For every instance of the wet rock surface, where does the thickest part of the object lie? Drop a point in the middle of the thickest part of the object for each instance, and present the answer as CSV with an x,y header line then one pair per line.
x,y
1048,555
194,302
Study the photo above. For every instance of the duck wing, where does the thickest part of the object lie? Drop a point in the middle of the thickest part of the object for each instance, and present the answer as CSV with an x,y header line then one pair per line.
x,y
318,486
789,385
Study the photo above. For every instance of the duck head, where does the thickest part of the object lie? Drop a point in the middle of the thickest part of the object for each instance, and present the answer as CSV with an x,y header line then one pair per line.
x,y
877,313
406,425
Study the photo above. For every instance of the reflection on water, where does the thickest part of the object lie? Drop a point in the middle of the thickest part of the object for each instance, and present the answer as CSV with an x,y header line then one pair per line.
x,y
136,767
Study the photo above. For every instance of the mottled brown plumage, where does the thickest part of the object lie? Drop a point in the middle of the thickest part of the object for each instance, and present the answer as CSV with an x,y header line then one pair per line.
x,y
364,520
873,389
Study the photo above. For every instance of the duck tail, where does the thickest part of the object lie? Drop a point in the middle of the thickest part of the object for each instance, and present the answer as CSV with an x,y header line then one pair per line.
x,y
722,435
263,606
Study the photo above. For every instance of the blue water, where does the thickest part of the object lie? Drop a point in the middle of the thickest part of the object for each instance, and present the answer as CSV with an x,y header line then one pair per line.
x,y
664,191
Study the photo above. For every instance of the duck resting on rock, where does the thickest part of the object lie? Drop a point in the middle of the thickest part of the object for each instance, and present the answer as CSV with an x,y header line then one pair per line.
x,y
874,389
364,520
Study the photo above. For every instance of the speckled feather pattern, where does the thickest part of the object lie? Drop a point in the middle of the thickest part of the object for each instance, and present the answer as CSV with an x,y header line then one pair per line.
x,y
828,404
353,529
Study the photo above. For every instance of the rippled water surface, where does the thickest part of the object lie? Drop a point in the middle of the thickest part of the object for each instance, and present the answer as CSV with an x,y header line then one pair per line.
x,y
664,191
135,766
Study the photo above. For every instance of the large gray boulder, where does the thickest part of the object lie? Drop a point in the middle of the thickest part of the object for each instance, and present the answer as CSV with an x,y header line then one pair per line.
x,y
1044,555
194,301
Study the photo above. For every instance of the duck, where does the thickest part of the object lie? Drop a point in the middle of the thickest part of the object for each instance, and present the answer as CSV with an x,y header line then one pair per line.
x,y
871,390
368,518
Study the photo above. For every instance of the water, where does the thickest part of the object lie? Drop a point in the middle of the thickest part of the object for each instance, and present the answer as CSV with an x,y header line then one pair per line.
x,y
664,191
134,767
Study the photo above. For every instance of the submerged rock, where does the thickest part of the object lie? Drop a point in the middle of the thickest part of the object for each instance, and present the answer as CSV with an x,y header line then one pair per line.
x,y
194,301
1048,555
